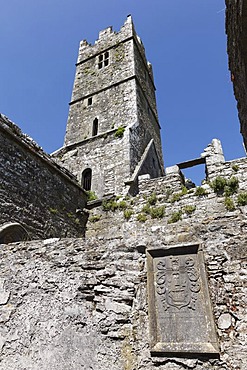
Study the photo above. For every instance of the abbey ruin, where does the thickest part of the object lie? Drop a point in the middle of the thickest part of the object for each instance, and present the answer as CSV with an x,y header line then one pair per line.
x,y
108,259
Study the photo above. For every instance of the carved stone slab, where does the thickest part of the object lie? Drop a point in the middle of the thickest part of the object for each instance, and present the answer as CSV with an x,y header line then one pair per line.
x,y
180,312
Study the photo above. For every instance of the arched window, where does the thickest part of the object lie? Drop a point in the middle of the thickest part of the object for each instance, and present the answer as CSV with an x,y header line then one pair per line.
x,y
95,127
86,179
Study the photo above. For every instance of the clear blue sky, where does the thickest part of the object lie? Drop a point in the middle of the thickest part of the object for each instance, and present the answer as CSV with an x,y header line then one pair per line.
x,y
184,40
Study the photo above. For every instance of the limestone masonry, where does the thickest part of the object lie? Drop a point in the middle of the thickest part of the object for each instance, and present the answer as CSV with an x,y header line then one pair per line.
x,y
236,29
108,260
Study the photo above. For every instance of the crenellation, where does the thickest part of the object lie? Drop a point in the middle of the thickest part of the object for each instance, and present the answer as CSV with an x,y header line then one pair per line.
x,y
106,41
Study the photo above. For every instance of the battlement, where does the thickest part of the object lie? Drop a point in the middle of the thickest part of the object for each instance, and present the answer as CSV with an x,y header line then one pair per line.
x,y
107,39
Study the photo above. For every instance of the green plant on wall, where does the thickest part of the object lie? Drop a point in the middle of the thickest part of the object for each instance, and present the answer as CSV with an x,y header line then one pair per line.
x,y
54,211
222,186
128,213
146,209
235,167
120,131
152,199
157,212
175,217
91,195
94,218
109,205
177,196
200,191
231,186
218,184
229,204
189,209
141,217
122,205
242,199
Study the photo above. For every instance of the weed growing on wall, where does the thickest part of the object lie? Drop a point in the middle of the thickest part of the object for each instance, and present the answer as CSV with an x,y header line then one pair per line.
x,y
120,131
229,204
175,217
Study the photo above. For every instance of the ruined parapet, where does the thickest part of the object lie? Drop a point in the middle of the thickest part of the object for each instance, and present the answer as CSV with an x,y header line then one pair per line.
x,y
171,193
214,159
43,197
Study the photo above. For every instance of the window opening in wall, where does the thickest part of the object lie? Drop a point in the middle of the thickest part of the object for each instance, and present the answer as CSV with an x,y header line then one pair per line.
x,y
194,172
103,60
90,101
106,61
86,179
100,64
95,127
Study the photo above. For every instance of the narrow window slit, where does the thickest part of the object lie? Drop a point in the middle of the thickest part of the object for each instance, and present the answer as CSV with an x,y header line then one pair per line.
x,y
95,127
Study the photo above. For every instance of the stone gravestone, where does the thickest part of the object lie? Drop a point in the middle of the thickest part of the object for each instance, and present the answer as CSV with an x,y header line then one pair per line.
x,y
181,320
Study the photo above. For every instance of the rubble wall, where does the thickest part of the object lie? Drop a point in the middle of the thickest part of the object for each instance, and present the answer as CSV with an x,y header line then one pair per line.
x,y
236,29
83,303
43,197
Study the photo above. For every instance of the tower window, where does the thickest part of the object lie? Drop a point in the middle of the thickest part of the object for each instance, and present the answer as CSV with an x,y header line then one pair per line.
x,y
95,127
90,101
106,58
103,60
86,179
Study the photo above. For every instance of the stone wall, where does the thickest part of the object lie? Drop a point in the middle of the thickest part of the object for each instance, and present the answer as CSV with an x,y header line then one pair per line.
x,y
236,29
83,303
43,197
107,156
87,303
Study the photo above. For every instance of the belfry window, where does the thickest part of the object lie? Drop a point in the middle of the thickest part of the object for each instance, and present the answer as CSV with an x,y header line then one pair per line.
x,y
95,127
103,60
86,179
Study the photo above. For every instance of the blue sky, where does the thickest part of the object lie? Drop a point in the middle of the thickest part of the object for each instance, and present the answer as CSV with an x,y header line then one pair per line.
x,y
184,40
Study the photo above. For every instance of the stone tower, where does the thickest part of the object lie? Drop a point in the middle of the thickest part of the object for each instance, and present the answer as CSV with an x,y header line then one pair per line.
x,y
113,132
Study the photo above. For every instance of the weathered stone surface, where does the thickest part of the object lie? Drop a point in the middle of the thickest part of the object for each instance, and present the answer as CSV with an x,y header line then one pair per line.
x,y
236,29
35,191
116,94
222,233
225,321
83,303
179,305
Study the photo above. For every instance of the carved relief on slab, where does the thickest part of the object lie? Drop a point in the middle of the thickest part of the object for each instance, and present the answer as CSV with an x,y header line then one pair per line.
x,y
177,282
179,305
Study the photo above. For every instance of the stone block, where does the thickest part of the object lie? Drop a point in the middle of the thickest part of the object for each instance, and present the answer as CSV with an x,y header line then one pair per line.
x,y
180,311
